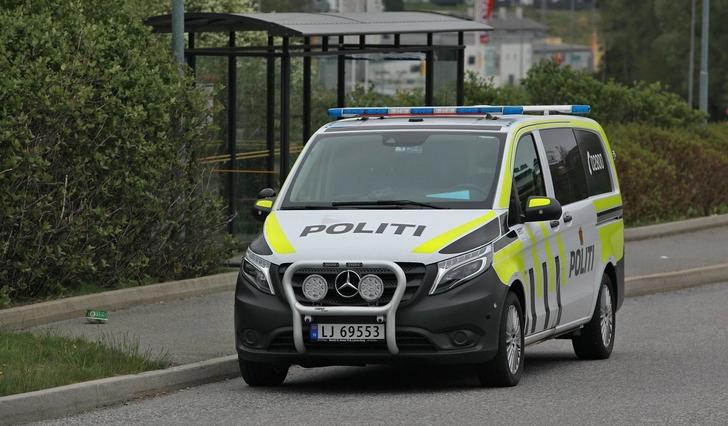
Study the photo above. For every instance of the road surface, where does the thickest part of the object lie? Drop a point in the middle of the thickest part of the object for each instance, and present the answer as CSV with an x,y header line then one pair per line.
x,y
669,366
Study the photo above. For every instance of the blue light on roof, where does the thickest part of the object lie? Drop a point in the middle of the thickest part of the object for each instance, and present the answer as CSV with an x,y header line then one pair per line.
x,y
512,110
337,113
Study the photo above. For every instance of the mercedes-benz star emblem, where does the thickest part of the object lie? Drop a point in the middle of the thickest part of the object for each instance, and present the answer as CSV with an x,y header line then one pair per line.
x,y
347,283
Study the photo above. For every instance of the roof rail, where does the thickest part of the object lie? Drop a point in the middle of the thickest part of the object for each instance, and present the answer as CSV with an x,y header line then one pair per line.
x,y
337,113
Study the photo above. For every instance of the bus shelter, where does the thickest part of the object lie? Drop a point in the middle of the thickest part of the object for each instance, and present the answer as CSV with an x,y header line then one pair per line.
x,y
277,39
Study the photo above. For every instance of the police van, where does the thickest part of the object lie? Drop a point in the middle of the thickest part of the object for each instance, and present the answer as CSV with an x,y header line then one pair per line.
x,y
456,235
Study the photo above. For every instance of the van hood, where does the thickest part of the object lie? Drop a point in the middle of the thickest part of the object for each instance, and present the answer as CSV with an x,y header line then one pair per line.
x,y
406,235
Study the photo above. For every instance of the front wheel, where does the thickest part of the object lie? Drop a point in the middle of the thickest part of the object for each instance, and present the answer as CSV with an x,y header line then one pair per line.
x,y
260,374
506,368
597,337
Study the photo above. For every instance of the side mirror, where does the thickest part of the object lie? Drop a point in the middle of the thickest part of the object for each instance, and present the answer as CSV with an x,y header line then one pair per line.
x,y
264,204
542,208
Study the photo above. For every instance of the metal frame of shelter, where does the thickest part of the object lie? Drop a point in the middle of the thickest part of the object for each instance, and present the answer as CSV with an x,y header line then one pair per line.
x,y
331,29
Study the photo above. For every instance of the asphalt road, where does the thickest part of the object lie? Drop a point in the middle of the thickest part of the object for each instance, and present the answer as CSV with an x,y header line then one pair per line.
x,y
669,366
676,252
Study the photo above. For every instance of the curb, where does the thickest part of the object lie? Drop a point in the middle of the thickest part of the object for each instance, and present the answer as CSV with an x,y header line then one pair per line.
x,y
669,281
71,307
672,228
72,399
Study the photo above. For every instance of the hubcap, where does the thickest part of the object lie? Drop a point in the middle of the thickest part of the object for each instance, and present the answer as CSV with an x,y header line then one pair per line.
x,y
513,339
606,318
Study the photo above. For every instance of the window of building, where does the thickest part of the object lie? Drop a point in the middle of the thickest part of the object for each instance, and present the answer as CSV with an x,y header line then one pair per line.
x,y
471,60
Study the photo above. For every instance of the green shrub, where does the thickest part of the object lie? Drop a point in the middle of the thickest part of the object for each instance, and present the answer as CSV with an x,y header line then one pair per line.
x,y
669,174
481,91
96,183
611,102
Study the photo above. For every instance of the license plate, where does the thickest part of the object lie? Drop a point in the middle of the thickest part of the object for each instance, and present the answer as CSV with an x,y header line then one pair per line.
x,y
346,332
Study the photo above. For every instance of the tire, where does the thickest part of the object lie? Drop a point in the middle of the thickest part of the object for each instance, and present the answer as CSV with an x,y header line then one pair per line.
x,y
259,374
505,369
596,340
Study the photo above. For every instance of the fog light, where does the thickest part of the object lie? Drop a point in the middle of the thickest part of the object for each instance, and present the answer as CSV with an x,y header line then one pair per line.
x,y
250,337
371,288
315,287
460,338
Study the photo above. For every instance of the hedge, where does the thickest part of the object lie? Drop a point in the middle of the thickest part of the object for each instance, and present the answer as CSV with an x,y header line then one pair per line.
x,y
670,174
99,181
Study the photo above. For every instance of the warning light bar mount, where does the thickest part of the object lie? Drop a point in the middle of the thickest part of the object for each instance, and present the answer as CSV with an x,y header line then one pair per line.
x,y
349,112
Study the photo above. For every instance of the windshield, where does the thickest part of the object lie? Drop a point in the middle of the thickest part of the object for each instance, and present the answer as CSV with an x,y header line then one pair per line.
x,y
398,169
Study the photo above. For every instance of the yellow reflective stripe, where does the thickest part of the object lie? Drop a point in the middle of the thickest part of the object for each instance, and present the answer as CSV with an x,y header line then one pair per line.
x,y
562,257
442,240
275,237
549,258
508,261
266,204
538,202
612,239
607,203
536,262
505,194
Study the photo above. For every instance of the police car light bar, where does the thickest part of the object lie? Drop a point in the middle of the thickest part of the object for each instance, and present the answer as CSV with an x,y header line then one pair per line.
x,y
337,113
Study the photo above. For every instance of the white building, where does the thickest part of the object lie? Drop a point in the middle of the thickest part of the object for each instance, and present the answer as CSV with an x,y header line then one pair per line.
x,y
504,55
507,53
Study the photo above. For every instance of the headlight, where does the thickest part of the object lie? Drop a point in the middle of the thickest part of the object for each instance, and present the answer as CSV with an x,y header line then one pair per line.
x,y
455,271
256,270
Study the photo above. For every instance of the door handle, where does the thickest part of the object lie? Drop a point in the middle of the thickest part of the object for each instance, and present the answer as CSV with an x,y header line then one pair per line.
x,y
567,218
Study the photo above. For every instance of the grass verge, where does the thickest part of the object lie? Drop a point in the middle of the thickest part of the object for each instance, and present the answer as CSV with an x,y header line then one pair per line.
x,y
31,362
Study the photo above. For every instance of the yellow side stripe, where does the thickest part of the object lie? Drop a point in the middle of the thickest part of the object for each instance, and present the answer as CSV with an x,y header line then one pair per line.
x,y
536,262
607,203
444,239
562,256
275,237
551,261
509,261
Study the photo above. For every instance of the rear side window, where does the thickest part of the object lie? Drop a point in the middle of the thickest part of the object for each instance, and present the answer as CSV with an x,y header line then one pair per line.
x,y
566,165
595,161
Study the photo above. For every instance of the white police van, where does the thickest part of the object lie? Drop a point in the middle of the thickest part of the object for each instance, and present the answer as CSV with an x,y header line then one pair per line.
x,y
436,234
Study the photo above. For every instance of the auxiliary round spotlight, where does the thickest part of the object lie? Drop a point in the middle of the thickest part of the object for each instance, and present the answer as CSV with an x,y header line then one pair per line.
x,y
315,287
371,288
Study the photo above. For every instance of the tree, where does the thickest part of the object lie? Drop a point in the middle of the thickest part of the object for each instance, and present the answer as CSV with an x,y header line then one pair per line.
x,y
649,40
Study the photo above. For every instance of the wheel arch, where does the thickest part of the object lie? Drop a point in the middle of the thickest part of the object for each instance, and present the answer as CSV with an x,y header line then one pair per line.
x,y
517,288
611,272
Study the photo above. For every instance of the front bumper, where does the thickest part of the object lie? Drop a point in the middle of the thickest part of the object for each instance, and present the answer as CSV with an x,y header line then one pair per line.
x,y
458,327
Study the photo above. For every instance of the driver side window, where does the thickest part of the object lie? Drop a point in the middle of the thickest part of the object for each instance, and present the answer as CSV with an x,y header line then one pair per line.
x,y
527,173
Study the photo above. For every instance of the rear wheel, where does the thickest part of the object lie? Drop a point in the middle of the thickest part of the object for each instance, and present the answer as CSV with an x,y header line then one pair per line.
x,y
597,337
507,366
260,374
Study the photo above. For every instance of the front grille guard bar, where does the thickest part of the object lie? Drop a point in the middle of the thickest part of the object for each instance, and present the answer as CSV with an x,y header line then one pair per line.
x,y
387,311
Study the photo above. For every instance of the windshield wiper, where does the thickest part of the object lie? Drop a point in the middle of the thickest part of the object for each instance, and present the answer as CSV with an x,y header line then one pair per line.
x,y
385,203
310,207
